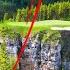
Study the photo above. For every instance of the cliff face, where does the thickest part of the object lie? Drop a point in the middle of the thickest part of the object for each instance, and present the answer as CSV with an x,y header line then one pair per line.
x,y
44,51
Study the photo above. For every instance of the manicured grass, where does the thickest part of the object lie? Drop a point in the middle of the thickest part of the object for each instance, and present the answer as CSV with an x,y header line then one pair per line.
x,y
22,27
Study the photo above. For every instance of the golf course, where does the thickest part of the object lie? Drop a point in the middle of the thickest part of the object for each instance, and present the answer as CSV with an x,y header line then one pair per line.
x,y
34,34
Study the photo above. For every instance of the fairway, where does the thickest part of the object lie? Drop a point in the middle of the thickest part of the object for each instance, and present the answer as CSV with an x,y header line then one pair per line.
x,y
41,23
23,27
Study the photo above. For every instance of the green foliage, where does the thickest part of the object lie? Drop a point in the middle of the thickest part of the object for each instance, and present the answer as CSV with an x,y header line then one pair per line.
x,y
4,59
59,10
7,7
11,6
6,62
5,16
51,36
64,9
18,15
55,9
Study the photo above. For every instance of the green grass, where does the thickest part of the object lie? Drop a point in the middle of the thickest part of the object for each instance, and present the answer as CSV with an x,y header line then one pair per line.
x,y
38,26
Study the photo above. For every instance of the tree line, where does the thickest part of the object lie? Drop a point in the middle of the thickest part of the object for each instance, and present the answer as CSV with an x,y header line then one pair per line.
x,y
57,11
50,9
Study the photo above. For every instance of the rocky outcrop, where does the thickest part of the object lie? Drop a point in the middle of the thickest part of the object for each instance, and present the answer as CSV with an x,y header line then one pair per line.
x,y
42,54
13,45
51,57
